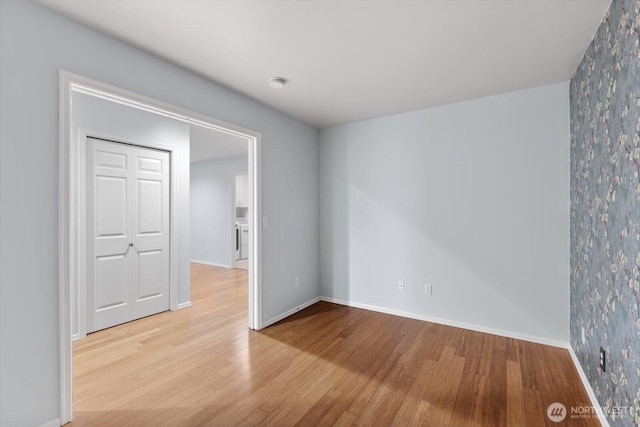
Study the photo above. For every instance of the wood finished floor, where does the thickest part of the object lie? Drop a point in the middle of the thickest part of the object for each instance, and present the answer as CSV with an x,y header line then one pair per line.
x,y
326,365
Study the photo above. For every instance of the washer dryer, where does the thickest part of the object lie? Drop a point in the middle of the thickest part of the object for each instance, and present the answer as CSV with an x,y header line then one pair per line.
x,y
244,241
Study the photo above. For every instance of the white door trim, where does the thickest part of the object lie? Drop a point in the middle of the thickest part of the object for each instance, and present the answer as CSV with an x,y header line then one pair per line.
x,y
68,215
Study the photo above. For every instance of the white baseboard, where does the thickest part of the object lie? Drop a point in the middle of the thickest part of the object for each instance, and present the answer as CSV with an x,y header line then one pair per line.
x,y
183,305
470,326
213,264
288,313
587,386
52,423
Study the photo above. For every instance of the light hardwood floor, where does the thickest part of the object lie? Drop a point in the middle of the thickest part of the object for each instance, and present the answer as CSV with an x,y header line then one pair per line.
x,y
326,365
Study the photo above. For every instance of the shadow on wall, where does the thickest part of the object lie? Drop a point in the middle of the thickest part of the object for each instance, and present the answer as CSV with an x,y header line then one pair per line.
x,y
335,219
470,198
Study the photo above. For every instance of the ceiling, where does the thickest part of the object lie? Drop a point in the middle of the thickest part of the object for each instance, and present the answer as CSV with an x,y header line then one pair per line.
x,y
352,60
210,144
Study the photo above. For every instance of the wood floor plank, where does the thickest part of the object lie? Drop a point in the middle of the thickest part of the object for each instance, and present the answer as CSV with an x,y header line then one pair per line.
x,y
326,365
515,394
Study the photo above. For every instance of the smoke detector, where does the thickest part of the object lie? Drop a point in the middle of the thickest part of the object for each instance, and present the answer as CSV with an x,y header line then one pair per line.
x,y
277,82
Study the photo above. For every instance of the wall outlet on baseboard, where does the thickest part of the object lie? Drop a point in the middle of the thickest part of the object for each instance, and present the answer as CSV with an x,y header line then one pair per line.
x,y
296,283
401,285
428,289
603,360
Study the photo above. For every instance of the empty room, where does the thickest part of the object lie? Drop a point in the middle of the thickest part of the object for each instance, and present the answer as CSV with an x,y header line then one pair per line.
x,y
279,213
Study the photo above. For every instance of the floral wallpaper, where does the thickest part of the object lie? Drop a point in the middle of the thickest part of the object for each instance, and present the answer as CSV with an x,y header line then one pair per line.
x,y
605,212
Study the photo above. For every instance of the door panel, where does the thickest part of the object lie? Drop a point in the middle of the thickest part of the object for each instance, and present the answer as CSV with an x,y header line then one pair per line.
x,y
128,233
146,164
149,274
149,206
111,160
111,281
151,231
111,211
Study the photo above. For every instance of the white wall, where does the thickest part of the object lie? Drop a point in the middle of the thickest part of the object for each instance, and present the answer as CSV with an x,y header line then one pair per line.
x,y
472,198
34,43
125,123
211,209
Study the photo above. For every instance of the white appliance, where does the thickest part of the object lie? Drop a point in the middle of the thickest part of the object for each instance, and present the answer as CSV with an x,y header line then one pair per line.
x,y
242,239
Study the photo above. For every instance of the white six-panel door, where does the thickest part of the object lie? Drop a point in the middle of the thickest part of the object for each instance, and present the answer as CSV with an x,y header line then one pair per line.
x,y
127,233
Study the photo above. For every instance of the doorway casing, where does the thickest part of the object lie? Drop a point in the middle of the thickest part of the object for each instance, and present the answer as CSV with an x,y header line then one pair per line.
x,y
69,211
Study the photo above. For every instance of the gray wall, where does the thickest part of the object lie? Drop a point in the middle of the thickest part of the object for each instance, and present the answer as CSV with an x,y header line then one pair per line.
x,y
211,209
605,211
34,43
471,198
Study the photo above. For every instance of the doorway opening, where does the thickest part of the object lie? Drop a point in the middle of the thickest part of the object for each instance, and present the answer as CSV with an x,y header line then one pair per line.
x,y
219,200
73,221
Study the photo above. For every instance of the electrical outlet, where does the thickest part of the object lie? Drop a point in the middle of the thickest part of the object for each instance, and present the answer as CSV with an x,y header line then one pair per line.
x,y
296,283
428,290
583,334
401,285
603,360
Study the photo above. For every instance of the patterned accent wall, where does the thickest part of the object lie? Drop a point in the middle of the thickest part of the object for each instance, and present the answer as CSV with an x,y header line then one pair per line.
x,y
605,211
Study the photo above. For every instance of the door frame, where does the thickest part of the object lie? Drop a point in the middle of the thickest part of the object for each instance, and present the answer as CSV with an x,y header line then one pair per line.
x,y
69,215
